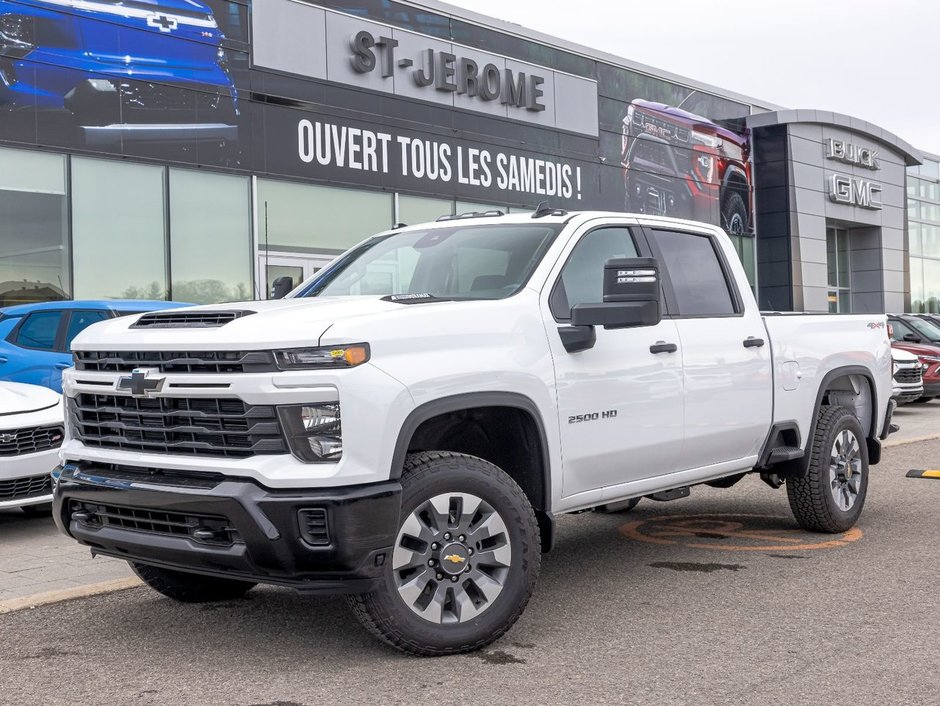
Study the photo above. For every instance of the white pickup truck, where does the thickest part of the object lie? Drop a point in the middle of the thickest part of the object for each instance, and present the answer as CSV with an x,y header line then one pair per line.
x,y
405,427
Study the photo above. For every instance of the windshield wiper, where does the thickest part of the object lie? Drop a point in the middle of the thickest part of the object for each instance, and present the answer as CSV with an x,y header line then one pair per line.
x,y
423,298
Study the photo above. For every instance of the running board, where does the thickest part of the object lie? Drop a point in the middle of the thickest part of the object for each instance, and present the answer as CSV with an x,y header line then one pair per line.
x,y
782,454
667,495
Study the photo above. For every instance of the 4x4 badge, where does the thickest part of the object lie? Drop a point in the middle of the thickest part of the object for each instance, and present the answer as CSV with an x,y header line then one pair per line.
x,y
140,384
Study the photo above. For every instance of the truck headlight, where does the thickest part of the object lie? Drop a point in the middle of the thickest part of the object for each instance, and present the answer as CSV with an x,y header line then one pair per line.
x,y
314,431
325,357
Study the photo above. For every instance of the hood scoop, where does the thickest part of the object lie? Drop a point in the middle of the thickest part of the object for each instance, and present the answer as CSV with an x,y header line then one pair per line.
x,y
190,319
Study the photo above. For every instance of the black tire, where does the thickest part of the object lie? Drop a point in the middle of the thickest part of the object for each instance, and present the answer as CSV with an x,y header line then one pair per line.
x,y
618,507
190,588
41,510
812,498
923,400
386,614
734,214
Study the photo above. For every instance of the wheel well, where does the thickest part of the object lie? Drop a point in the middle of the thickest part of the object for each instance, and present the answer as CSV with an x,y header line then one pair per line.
x,y
853,391
508,437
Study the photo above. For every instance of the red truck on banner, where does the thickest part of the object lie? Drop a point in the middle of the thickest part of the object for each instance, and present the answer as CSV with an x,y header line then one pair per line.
x,y
677,163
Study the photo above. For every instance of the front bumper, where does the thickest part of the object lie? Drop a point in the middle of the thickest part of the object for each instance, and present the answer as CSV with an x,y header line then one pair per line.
x,y
931,389
157,518
26,480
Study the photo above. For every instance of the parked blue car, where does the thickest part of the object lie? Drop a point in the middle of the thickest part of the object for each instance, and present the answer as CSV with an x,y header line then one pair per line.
x,y
118,68
35,339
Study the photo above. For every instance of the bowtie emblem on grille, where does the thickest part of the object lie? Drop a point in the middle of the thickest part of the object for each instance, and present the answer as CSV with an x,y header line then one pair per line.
x,y
162,22
140,384
7,438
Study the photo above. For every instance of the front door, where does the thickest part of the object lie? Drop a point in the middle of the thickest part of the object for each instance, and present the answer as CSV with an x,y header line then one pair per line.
x,y
619,394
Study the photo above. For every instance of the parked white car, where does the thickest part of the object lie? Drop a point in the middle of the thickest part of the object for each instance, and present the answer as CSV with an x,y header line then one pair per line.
x,y
31,432
908,380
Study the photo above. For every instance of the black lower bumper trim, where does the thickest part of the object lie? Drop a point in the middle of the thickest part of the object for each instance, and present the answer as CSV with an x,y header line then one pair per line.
x,y
161,521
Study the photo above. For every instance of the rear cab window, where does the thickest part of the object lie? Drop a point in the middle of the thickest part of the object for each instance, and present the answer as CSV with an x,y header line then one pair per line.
x,y
699,279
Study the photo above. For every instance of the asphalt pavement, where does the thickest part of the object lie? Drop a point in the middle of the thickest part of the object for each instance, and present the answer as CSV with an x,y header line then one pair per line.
x,y
714,599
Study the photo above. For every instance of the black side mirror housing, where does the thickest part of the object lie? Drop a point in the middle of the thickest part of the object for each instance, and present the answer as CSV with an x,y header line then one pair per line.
x,y
281,286
631,300
631,296
912,338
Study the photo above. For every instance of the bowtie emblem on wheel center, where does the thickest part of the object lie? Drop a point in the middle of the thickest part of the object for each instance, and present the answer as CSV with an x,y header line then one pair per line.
x,y
454,559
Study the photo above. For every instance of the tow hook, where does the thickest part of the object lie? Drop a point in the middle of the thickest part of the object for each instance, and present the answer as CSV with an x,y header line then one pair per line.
x,y
772,479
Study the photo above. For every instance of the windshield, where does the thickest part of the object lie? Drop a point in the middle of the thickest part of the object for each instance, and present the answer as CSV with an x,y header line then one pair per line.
x,y
925,328
459,262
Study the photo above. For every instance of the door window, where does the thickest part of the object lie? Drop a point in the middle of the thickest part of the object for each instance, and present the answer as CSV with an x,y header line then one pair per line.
x,y
582,279
39,331
698,278
79,321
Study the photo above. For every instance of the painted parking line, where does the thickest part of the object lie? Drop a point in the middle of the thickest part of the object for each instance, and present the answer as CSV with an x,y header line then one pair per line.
x,y
13,604
733,532
930,473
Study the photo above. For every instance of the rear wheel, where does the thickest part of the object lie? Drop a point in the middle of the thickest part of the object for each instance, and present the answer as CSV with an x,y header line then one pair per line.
x,y
190,588
831,495
465,561
734,214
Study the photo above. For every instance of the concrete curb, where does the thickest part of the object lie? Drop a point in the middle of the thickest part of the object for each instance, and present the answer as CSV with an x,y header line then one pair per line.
x,y
888,443
67,594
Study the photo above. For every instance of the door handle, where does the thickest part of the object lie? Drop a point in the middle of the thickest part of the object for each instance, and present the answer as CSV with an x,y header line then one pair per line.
x,y
62,366
751,342
663,347
3,359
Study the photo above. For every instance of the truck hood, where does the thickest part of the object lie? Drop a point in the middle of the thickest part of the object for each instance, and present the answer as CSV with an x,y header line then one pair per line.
x,y
19,398
684,117
916,348
283,323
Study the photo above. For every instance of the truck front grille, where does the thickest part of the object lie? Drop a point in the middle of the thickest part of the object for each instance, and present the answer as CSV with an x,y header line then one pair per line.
x,y
908,375
25,488
173,425
209,529
16,442
176,361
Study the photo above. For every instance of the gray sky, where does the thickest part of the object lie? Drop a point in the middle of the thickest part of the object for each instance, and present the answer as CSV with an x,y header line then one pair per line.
x,y
873,59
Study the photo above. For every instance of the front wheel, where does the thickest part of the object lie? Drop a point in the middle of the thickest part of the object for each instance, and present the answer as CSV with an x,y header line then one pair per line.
x,y
190,588
465,560
831,495
734,214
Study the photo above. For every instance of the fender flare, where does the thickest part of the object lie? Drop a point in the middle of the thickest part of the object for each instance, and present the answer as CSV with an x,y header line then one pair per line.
x,y
471,400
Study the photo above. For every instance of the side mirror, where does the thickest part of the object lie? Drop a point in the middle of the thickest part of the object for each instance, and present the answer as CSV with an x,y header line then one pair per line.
x,y
631,300
631,296
281,286
912,338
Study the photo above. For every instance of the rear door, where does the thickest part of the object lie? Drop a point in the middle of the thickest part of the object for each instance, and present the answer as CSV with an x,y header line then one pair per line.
x,y
619,403
727,376
77,321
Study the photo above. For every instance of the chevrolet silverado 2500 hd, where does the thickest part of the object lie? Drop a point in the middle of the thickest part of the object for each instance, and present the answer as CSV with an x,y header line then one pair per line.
x,y
405,427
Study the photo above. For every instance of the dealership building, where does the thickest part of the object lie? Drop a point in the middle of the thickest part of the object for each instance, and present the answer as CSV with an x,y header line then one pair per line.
x,y
197,151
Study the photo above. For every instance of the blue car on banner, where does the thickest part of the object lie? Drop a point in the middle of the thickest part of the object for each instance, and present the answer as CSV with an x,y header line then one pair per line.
x,y
147,71
35,339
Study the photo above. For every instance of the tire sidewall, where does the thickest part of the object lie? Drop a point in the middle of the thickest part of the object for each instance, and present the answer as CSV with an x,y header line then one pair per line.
x,y
845,518
521,577
734,205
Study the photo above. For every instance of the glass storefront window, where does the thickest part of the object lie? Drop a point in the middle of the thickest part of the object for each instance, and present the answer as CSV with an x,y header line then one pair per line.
x,y
296,217
837,265
34,258
118,230
417,209
210,237
931,293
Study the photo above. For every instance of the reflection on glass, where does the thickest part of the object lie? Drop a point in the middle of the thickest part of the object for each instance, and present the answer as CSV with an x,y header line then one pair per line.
x,y
210,227
307,218
118,230
33,227
417,209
